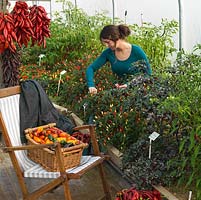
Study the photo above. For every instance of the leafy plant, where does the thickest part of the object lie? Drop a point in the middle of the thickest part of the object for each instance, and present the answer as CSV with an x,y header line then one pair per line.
x,y
185,104
156,41
72,31
122,115
146,172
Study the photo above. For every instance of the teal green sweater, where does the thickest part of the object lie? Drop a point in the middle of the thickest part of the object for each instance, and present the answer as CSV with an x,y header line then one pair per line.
x,y
118,67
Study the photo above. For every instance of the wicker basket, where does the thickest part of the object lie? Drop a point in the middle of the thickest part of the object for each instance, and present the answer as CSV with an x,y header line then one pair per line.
x,y
47,157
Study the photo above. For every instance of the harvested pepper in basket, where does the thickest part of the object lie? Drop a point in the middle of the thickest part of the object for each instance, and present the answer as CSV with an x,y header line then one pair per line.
x,y
85,138
51,135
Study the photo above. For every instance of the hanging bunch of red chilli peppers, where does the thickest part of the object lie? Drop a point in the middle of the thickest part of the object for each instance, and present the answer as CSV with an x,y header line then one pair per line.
x,y
38,17
24,25
7,33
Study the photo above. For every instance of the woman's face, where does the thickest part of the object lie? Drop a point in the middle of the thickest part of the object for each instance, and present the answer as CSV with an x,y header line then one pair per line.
x,y
109,43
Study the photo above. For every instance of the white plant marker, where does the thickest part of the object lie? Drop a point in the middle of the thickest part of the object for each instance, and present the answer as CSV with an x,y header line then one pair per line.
x,y
84,107
152,137
190,195
59,83
40,58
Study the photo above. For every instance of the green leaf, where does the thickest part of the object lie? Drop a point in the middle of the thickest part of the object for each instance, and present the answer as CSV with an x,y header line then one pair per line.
x,y
192,142
181,146
194,156
190,180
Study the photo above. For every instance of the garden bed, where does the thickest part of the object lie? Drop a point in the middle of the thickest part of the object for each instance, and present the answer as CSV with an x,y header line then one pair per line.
x,y
115,155
116,162
172,192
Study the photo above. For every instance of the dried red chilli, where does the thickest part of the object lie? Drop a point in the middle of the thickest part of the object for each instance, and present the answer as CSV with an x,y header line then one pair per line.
x,y
41,23
10,65
7,34
23,25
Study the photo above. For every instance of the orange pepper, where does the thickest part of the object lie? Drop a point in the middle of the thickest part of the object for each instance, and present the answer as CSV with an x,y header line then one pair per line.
x,y
48,132
63,134
37,139
42,142
39,130
55,135
71,138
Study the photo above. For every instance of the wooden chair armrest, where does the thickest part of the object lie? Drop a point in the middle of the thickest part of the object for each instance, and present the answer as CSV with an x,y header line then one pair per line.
x,y
27,147
82,127
106,157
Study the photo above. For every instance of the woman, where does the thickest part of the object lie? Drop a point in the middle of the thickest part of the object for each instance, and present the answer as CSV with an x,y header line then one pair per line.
x,y
122,55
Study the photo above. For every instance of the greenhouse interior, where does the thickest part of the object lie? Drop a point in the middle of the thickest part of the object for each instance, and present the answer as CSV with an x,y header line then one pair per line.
x,y
100,100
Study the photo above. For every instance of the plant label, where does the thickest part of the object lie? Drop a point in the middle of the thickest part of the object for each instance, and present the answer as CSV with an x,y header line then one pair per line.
x,y
190,195
153,136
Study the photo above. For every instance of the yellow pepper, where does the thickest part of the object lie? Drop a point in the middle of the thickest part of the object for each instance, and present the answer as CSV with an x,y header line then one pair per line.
x,y
73,141
59,139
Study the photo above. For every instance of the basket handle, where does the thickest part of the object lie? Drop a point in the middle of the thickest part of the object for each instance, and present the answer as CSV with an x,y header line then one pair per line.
x,y
30,130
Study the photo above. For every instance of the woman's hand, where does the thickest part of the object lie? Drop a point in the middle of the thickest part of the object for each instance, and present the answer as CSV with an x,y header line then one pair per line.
x,y
120,86
92,90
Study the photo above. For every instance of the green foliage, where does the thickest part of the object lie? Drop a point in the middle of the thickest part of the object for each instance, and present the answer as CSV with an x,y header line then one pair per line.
x,y
104,78
146,172
73,32
185,104
156,41
168,102
123,115
47,79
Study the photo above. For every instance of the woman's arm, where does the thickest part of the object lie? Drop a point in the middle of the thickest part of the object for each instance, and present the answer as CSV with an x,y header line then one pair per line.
x,y
97,64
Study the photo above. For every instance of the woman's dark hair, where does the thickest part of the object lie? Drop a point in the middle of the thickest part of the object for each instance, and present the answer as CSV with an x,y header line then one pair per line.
x,y
115,32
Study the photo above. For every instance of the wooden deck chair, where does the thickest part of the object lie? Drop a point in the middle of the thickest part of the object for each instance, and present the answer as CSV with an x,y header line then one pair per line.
x,y
24,167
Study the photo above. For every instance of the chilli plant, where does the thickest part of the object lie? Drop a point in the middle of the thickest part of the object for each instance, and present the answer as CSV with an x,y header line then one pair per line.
x,y
185,104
